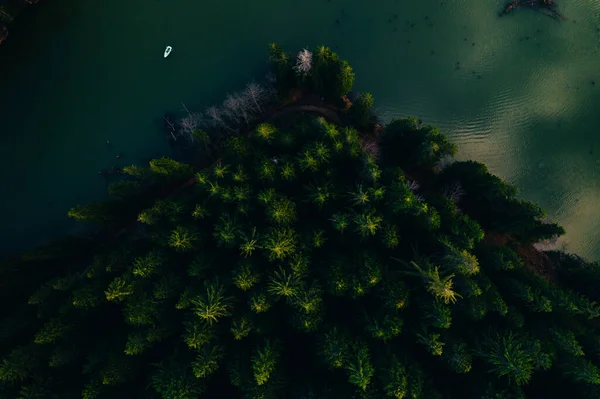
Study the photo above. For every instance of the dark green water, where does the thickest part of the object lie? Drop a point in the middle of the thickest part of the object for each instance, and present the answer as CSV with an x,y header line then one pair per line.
x,y
75,74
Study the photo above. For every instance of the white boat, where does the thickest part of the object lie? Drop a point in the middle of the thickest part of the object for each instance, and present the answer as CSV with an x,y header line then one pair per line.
x,y
168,51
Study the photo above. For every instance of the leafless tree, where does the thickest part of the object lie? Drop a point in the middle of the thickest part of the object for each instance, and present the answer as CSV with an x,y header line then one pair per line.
x,y
216,118
189,124
370,146
245,106
231,108
419,198
413,186
303,63
454,192
257,94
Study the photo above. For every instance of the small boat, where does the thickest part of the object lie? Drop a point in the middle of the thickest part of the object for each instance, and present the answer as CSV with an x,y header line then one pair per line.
x,y
168,51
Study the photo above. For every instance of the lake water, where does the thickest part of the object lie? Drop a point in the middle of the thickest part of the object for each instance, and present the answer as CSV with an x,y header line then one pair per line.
x,y
74,74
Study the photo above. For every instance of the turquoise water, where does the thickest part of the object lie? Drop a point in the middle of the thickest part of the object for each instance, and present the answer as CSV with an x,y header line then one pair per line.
x,y
76,74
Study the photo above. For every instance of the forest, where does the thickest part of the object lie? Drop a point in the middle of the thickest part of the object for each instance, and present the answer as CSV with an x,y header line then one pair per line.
x,y
8,11
304,250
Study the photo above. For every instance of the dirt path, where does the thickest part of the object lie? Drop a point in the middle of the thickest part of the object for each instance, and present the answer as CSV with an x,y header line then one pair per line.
x,y
534,260
324,111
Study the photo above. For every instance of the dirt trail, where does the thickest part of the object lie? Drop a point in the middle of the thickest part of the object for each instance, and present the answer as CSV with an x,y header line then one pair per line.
x,y
324,111
535,261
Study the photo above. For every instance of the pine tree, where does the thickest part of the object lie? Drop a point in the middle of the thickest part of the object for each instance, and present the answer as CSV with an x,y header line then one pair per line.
x,y
507,356
51,332
259,302
168,168
207,361
439,315
341,221
198,333
212,304
358,366
241,328
279,244
136,344
440,287
264,361
175,382
361,110
282,211
432,342
582,370
266,132
367,224
98,212
119,289
245,276
17,366
140,310
458,358
226,232
148,265
182,238
284,283
395,380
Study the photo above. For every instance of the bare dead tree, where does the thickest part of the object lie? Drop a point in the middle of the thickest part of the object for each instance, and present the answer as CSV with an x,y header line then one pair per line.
x,y
370,145
232,108
189,124
454,192
413,186
303,63
257,94
246,107
237,109
216,118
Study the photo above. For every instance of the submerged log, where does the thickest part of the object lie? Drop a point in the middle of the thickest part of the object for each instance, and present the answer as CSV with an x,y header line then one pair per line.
x,y
546,7
111,172
169,126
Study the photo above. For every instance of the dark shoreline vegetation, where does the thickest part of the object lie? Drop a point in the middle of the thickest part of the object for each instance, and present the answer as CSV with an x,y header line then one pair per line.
x,y
9,9
306,251
546,7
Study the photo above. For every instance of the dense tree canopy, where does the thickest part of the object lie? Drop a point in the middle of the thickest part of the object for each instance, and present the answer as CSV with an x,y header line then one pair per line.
x,y
301,265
